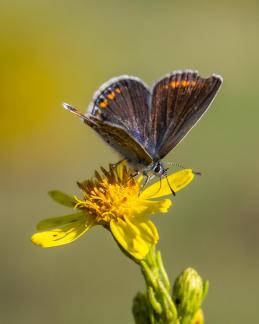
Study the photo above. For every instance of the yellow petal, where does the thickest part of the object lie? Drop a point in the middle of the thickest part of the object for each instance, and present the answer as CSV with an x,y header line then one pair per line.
x,y
59,221
63,234
178,180
135,235
149,207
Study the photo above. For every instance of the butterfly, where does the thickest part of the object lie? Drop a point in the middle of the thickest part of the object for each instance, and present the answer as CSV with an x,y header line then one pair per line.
x,y
144,124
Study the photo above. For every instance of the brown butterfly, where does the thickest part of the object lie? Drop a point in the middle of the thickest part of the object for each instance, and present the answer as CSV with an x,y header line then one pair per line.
x,y
143,125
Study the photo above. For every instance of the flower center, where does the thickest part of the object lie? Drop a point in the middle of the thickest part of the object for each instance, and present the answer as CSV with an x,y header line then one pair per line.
x,y
110,197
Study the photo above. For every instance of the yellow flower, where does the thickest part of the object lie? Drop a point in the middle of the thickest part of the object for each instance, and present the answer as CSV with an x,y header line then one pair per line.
x,y
114,201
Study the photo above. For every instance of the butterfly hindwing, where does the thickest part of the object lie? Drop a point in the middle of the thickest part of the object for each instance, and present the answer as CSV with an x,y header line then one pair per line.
x,y
178,101
122,142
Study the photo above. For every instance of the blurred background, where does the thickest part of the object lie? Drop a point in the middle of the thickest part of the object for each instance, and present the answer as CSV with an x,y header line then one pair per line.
x,y
56,51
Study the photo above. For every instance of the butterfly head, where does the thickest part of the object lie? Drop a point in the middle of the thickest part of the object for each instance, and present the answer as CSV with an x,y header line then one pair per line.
x,y
158,169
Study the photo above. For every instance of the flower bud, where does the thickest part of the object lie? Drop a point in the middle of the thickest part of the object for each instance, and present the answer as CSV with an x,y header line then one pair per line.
x,y
198,317
188,292
142,311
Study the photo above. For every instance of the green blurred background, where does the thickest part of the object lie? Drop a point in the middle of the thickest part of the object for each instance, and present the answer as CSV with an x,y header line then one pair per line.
x,y
55,51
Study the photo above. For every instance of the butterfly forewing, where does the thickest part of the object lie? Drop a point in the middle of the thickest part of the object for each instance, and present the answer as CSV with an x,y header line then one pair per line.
x,y
123,102
178,102
119,113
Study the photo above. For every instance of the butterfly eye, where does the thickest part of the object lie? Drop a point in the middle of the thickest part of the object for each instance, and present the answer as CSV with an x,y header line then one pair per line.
x,y
157,169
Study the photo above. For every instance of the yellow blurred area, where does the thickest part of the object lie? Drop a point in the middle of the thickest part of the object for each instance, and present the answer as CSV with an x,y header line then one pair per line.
x,y
62,51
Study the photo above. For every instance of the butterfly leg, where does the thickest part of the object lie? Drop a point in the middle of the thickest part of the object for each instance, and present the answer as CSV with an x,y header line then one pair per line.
x,y
114,165
172,190
146,180
134,174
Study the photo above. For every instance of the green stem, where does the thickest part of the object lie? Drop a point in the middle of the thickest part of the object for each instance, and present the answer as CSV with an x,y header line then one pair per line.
x,y
157,306
158,295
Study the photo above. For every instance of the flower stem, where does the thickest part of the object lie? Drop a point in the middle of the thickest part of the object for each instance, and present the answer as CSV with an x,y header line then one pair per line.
x,y
157,306
161,306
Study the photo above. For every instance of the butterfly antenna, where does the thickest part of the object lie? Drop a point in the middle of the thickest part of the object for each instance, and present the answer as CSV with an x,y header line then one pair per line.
x,y
74,111
172,190
178,165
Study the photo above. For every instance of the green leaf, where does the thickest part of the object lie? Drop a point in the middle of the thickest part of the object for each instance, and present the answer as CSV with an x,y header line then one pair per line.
x,y
62,198
205,288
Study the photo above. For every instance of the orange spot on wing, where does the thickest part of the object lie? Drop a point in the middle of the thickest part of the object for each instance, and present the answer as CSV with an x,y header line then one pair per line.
x,y
111,95
118,90
185,83
103,104
173,84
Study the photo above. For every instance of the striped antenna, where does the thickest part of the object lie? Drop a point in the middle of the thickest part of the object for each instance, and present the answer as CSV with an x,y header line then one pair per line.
x,y
74,111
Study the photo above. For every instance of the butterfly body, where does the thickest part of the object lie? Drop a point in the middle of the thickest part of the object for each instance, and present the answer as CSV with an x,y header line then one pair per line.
x,y
144,124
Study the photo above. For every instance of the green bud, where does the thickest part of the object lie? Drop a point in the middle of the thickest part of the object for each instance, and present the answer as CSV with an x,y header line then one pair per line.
x,y
188,293
140,309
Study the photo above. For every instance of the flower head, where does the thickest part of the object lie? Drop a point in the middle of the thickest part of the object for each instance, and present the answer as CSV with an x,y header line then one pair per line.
x,y
114,201
189,292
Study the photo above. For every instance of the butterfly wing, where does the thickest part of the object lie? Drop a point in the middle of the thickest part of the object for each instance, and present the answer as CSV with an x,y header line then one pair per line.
x,y
122,142
119,113
124,102
178,102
